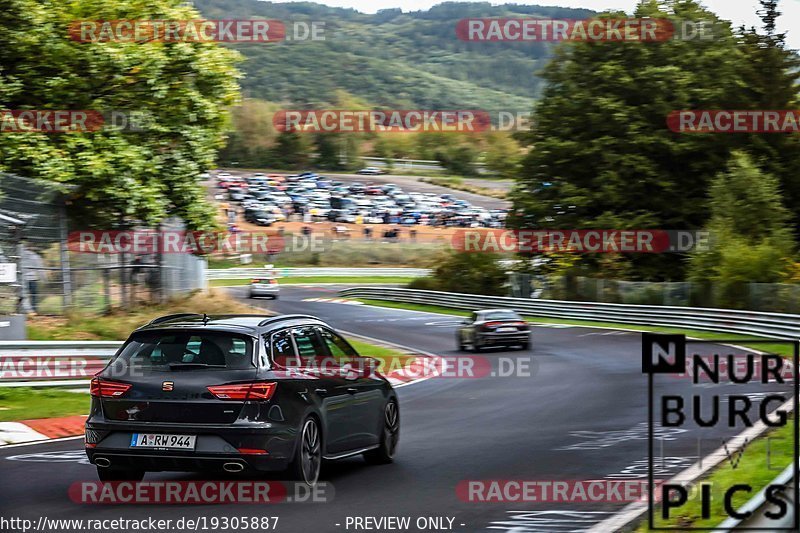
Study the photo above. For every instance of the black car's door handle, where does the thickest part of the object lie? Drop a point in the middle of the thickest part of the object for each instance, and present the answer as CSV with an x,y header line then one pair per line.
x,y
321,392
352,390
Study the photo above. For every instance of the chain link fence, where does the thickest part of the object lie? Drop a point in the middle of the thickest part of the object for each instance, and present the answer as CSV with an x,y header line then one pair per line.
x,y
52,278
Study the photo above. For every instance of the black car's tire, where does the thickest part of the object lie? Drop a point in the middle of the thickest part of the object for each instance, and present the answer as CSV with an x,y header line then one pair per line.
x,y
525,345
119,474
307,460
390,436
460,342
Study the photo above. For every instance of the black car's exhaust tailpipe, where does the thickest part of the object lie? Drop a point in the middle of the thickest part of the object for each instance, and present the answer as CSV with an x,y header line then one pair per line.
x,y
233,467
102,462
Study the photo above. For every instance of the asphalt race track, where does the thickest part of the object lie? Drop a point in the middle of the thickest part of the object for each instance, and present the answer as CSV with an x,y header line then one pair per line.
x,y
580,415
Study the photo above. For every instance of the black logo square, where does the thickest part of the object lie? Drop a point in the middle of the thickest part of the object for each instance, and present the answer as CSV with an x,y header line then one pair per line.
x,y
663,354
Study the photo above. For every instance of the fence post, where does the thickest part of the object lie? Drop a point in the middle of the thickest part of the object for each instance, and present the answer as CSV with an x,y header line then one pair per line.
x,y
107,288
66,274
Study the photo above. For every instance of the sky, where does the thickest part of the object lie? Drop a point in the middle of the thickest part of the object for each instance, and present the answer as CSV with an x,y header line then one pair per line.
x,y
737,11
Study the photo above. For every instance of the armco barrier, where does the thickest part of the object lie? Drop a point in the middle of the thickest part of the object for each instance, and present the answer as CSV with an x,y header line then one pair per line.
x,y
52,363
244,273
777,325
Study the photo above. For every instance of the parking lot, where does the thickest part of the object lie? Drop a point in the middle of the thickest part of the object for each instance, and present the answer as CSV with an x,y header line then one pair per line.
x,y
309,198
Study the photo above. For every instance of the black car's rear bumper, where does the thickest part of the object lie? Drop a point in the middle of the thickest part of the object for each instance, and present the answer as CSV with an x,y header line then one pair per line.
x,y
488,339
215,446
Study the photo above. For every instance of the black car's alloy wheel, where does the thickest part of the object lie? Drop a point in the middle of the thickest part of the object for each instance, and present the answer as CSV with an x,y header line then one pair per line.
x,y
309,454
391,436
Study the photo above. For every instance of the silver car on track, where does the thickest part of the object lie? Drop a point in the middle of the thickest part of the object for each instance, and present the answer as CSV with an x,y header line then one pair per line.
x,y
264,287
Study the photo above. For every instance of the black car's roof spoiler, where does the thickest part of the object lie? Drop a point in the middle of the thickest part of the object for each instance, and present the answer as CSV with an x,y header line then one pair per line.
x,y
272,319
164,318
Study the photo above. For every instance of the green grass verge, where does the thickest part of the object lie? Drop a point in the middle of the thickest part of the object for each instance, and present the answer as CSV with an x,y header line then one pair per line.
x,y
781,349
316,279
752,467
391,358
25,403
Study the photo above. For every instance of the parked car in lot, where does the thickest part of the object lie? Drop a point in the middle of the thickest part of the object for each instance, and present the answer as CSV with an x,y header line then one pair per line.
x,y
357,188
264,287
260,216
493,327
234,393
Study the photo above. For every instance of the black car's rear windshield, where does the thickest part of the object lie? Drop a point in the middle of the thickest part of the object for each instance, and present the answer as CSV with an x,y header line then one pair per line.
x,y
502,315
188,350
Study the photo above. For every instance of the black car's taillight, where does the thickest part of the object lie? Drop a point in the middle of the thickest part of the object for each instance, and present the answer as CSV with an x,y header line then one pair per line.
x,y
259,390
102,388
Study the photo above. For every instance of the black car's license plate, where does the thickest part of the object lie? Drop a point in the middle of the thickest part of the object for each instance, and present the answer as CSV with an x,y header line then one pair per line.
x,y
156,440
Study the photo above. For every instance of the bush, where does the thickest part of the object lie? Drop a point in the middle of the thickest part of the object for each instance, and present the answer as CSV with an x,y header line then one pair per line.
x,y
471,273
425,284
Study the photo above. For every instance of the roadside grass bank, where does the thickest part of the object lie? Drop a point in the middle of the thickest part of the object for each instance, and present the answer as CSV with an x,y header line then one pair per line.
x,y
458,184
779,348
317,279
118,324
757,467
24,403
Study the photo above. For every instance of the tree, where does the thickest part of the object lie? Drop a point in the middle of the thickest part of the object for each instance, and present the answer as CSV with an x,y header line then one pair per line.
x,y
183,89
503,155
291,150
253,136
601,153
750,229
772,75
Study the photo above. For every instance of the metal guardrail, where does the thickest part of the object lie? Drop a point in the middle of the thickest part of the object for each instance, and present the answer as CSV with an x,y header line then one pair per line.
x,y
52,363
244,273
774,325
757,520
726,320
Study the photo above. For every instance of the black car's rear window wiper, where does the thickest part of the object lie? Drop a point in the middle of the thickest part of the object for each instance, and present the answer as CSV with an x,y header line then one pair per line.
x,y
193,365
